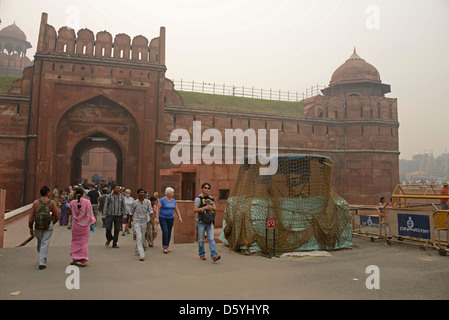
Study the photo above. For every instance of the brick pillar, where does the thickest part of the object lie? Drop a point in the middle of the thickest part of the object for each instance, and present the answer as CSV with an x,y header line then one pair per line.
x,y
185,232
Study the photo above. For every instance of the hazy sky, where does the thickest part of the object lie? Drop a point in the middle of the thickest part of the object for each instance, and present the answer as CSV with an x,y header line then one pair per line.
x,y
285,45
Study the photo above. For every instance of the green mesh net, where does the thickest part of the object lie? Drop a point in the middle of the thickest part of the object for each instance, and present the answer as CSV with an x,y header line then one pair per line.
x,y
309,214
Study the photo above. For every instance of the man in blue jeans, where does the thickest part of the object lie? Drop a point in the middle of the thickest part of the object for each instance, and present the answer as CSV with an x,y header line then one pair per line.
x,y
204,204
43,234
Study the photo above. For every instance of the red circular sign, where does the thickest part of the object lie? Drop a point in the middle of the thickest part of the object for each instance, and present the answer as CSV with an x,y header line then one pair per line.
x,y
271,223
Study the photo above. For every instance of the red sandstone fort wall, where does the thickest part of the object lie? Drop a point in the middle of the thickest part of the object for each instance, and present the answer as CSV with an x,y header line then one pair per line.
x,y
83,85
363,147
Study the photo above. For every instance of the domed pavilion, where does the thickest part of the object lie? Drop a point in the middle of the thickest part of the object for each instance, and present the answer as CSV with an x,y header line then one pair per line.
x,y
13,48
356,75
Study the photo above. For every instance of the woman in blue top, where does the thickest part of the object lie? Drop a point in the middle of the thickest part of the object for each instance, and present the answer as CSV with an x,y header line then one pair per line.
x,y
165,216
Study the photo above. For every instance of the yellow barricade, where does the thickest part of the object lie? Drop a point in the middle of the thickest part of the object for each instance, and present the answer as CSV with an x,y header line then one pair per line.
x,y
416,216
369,221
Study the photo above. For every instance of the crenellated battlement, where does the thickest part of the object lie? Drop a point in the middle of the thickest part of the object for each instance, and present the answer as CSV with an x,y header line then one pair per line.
x,y
102,45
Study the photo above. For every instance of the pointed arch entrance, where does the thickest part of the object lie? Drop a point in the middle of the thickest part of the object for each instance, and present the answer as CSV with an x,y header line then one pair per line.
x,y
97,122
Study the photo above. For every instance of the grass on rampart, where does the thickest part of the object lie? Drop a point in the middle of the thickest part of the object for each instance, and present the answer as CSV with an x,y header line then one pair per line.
x,y
6,83
204,100
214,101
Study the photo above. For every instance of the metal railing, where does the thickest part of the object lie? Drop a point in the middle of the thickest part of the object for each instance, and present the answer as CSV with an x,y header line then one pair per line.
x,y
246,92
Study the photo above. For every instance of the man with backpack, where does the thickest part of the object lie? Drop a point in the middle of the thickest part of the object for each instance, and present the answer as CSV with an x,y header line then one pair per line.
x,y
43,216
204,207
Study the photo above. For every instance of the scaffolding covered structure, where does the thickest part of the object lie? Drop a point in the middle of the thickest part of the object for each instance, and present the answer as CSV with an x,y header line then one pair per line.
x,y
309,214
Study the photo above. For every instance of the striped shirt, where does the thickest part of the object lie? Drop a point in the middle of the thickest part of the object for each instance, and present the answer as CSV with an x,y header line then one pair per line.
x,y
114,206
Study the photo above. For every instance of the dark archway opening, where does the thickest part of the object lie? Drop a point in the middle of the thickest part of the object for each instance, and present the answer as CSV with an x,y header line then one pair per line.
x,y
99,166
94,141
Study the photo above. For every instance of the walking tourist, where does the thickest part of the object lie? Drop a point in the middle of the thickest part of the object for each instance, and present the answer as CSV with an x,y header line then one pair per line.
x,y
64,208
71,196
101,200
151,225
56,194
204,207
128,203
82,220
140,215
43,216
113,211
384,210
165,216
93,195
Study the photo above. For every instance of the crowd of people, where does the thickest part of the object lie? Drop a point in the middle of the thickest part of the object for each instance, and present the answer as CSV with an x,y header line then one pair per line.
x,y
424,181
79,208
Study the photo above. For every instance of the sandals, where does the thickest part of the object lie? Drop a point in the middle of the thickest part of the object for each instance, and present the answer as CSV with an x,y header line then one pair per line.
x,y
78,263
166,250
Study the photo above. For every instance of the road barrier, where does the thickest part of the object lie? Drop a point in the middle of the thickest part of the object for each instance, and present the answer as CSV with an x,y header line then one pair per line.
x,y
416,217
369,221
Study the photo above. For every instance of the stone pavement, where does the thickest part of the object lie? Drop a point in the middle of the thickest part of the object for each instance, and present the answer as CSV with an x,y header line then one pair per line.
x,y
117,274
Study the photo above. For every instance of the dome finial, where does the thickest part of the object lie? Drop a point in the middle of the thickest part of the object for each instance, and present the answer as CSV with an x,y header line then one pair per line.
x,y
355,56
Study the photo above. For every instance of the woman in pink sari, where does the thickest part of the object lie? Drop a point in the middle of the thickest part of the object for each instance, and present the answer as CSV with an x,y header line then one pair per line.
x,y
82,219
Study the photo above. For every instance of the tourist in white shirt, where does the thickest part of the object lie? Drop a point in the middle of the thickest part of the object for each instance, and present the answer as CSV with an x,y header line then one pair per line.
x,y
140,215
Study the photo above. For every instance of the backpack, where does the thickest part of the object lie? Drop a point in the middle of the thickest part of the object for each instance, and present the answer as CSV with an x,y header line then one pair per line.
x,y
42,219
206,216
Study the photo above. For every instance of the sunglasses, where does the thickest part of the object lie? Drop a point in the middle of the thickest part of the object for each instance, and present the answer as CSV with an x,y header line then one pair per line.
x,y
206,188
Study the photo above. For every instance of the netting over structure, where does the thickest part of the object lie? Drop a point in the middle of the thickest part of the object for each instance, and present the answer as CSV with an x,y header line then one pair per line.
x,y
309,214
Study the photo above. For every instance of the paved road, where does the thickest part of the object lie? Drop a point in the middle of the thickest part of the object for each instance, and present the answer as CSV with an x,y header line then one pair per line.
x,y
405,272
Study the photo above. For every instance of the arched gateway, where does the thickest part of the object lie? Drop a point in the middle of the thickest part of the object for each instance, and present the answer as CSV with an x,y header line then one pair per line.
x,y
81,101
97,122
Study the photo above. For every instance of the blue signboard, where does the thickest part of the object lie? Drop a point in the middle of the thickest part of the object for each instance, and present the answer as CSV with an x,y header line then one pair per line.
x,y
369,221
414,226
